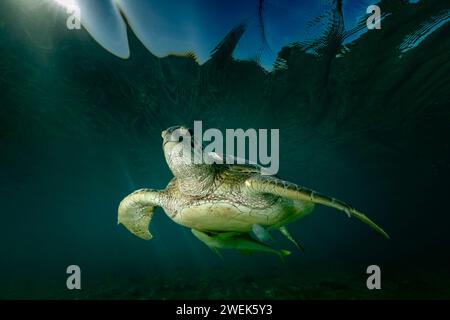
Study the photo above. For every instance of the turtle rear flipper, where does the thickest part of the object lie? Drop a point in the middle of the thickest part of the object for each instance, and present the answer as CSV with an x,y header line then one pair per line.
x,y
269,185
261,233
136,211
284,231
232,240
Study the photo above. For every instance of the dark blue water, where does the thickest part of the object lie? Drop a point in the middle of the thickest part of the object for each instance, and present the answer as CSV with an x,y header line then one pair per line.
x,y
80,129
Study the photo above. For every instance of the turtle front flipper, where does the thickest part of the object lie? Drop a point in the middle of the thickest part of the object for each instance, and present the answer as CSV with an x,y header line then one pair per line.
x,y
271,185
136,211
234,240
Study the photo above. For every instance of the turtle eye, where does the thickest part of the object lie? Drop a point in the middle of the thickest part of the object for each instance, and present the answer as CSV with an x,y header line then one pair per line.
x,y
180,138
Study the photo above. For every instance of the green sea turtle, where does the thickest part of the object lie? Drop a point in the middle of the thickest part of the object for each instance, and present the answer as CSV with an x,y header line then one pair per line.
x,y
224,204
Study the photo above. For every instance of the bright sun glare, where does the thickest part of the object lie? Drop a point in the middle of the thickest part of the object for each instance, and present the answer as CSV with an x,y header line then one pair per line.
x,y
66,3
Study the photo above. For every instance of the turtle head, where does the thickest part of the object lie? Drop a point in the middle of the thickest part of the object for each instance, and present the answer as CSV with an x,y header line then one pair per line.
x,y
181,150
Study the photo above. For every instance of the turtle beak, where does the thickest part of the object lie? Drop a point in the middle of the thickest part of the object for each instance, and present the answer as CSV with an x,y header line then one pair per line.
x,y
165,137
